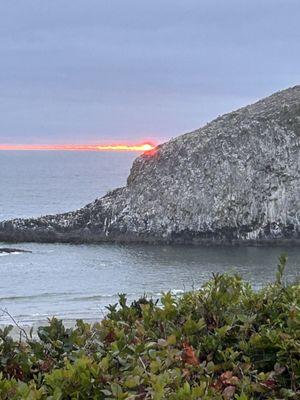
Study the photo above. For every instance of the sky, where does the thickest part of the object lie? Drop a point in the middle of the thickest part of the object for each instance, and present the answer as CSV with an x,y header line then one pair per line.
x,y
102,71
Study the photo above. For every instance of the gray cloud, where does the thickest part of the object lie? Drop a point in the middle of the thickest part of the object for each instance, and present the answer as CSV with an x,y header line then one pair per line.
x,y
94,70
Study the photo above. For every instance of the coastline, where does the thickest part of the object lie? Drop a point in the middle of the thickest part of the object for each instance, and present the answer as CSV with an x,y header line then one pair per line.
x,y
194,240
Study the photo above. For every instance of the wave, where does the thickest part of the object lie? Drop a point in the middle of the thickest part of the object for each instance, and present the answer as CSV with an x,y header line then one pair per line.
x,y
104,296
177,291
68,294
69,297
12,253
34,296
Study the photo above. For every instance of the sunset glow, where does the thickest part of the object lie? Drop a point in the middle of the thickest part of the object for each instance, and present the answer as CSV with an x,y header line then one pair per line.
x,y
142,147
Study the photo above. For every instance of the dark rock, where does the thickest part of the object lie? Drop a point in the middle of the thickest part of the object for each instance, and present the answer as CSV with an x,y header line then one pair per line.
x,y
234,181
9,250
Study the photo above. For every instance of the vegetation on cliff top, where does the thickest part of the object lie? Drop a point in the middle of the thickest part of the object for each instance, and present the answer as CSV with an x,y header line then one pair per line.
x,y
224,341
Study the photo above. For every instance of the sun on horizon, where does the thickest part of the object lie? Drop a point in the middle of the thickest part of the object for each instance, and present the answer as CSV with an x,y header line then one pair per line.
x,y
140,147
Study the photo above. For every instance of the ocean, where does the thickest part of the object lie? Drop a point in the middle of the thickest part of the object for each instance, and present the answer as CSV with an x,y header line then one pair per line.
x,y
79,281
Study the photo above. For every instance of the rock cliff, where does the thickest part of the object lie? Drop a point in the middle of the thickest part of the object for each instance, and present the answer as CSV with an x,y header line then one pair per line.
x,y
236,180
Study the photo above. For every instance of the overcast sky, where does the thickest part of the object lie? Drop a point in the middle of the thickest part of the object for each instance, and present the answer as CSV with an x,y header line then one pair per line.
x,y
85,71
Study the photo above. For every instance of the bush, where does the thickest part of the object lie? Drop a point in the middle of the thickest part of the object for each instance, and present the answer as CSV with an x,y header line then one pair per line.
x,y
224,341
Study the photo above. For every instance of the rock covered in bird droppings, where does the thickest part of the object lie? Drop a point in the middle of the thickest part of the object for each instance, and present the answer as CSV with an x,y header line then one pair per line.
x,y
236,180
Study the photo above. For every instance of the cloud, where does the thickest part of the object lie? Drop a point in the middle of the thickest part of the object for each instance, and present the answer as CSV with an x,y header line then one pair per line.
x,y
85,71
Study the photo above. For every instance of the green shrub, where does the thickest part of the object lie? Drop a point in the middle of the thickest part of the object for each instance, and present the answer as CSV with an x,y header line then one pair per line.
x,y
224,341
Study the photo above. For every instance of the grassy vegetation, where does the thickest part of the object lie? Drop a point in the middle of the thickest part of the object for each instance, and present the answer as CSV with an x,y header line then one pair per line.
x,y
225,341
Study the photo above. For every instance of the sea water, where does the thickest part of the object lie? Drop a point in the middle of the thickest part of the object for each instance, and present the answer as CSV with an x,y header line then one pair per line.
x,y
79,281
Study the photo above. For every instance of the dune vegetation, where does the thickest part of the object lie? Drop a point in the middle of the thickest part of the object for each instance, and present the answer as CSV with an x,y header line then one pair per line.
x,y
224,341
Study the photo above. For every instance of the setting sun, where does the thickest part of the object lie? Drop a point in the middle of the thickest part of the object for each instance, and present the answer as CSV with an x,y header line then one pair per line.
x,y
143,147
127,147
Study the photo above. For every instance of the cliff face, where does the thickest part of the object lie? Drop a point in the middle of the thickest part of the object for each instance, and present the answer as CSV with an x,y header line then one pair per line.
x,y
237,179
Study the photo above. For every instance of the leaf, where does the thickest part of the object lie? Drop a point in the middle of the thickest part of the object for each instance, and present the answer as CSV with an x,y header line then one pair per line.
x,y
162,342
223,330
171,340
210,367
132,381
280,268
188,355
227,378
269,383
106,392
116,390
152,354
228,392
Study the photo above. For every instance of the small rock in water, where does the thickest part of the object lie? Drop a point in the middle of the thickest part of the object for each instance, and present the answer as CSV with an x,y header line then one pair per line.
x,y
9,250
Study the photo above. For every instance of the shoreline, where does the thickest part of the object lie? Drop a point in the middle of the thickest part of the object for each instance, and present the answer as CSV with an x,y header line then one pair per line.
x,y
180,241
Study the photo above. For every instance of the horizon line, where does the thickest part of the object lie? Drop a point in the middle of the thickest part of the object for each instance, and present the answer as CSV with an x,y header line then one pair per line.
x,y
143,147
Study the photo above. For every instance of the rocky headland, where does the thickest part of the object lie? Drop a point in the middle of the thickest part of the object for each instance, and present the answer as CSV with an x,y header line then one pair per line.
x,y
235,180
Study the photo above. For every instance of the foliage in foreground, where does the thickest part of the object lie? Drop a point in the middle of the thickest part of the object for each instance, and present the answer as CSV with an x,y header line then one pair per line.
x,y
224,341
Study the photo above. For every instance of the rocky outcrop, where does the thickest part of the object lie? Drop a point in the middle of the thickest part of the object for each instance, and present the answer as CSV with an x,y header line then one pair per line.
x,y
236,180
